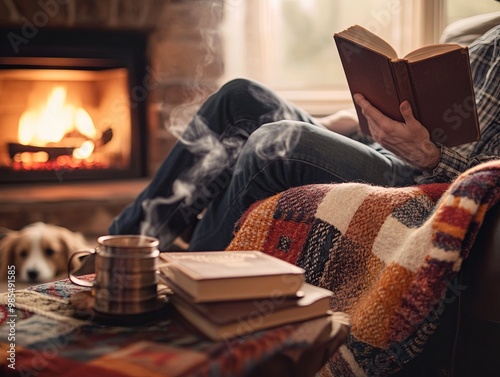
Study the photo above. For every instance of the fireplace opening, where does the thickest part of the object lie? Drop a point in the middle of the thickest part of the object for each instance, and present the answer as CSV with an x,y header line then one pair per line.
x,y
69,112
65,119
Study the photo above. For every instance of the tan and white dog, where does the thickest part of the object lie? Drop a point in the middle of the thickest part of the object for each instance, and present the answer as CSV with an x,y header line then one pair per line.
x,y
39,252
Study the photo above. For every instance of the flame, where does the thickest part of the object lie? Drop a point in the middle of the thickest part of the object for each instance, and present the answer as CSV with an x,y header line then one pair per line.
x,y
84,124
53,120
85,151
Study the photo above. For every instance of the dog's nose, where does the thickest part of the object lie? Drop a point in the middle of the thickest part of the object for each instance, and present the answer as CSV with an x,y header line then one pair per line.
x,y
33,275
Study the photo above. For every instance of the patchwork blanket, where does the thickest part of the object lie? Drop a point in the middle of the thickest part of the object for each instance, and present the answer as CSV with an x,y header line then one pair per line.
x,y
388,254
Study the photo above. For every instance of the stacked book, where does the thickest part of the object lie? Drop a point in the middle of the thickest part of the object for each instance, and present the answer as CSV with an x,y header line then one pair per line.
x,y
229,294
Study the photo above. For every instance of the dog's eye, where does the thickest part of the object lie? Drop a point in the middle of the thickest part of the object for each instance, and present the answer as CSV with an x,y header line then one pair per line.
x,y
23,253
49,252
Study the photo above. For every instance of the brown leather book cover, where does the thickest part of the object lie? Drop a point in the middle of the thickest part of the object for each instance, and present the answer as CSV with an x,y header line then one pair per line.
x,y
237,322
436,80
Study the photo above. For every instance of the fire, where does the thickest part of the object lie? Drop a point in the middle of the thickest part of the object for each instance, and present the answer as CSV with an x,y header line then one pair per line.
x,y
50,123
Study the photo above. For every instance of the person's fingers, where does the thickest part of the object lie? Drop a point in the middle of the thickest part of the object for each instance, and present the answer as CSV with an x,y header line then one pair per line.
x,y
407,112
368,109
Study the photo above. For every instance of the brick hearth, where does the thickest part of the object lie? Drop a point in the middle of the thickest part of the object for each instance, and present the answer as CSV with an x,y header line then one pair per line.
x,y
84,207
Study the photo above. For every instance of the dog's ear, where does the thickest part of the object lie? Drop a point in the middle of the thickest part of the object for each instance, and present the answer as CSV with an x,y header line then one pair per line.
x,y
7,246
72,241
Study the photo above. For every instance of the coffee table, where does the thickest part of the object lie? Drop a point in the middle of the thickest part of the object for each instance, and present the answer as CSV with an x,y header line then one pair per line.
x,y
47,337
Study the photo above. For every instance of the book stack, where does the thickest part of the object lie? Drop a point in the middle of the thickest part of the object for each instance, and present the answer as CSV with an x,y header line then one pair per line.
x,y
230,294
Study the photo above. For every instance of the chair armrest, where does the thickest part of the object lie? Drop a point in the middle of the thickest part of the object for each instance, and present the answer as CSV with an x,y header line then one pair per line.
x,y
466,30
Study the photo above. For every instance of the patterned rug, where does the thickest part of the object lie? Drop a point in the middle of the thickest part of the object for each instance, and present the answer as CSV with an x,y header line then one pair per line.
x,y
388,254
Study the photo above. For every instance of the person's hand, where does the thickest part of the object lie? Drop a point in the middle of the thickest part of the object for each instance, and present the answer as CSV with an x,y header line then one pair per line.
x,y
409,140
344,122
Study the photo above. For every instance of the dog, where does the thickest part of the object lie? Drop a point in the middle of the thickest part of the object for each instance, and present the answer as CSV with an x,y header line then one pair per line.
x,y
38,252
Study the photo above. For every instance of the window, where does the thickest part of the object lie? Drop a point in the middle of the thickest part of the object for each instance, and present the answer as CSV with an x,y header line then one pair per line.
x,y
288,44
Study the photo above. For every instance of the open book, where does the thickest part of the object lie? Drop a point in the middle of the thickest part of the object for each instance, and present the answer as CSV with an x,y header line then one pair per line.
x,y
435,79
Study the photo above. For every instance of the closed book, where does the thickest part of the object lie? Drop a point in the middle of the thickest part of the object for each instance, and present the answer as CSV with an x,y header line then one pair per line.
x,y
230,275
227,311
436,80
257,314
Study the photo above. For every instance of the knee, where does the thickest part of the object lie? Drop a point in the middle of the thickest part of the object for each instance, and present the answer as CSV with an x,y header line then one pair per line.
x,y
238,85
249,97
272,141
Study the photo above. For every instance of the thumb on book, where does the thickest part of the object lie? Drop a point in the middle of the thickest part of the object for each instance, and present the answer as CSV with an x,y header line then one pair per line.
x,y
406,112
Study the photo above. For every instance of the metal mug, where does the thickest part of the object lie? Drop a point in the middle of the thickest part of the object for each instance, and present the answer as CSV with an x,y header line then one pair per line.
x,y
125,274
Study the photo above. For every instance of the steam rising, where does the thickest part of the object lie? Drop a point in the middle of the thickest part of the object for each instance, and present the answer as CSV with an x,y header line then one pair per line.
x,y
213,155
282,138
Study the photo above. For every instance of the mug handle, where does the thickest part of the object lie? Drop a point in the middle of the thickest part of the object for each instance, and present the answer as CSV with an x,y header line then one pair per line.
x,y
72,277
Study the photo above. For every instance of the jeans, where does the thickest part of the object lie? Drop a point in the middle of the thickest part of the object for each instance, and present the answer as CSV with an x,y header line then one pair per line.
x,y
245,144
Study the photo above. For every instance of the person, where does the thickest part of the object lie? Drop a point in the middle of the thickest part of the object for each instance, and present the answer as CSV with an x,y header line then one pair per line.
x,y
245,143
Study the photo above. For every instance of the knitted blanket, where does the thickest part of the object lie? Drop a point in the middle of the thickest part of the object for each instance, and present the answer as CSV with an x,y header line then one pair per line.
x,y
387,254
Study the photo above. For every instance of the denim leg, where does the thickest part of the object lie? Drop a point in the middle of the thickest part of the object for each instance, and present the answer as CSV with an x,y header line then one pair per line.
x,y
315,156
200,166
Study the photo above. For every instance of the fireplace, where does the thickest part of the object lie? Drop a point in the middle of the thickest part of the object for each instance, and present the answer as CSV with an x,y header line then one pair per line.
x,y
74,105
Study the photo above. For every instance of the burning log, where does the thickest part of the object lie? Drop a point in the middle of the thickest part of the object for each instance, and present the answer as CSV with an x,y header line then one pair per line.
x,y
54,152
104,139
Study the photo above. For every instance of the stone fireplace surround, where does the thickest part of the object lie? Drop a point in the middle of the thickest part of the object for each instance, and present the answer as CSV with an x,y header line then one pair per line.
x,y
177,55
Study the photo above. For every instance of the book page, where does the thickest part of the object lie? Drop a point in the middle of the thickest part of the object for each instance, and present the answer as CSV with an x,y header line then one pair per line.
x,y
431,50
364,37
